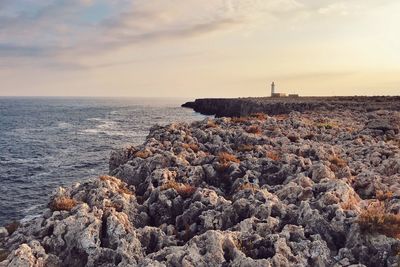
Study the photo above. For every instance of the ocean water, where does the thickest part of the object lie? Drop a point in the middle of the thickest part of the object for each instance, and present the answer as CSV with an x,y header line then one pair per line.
x,y
50,142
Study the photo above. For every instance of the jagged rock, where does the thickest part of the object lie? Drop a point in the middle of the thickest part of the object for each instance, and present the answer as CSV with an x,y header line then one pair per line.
x,y
288,194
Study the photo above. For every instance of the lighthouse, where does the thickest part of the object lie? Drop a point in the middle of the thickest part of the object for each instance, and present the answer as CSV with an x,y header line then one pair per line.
x,y
272,88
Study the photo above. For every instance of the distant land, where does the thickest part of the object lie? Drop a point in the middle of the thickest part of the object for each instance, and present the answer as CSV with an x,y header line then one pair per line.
x,y
232,107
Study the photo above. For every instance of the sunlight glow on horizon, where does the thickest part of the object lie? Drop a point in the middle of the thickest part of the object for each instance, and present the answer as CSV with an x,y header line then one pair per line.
x,y
223,48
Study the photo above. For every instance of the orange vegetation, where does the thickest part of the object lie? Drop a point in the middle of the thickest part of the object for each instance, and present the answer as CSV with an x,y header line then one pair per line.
x,y
383,195
239,119
254,129
225,160
375,219
184,190
245,148
338,162
259,116
211,124
62,203
193,147
273,155
144,154
121,188
244,186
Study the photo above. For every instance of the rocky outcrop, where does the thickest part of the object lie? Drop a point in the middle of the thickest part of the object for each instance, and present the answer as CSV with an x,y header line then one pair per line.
x,y
303,189
236,107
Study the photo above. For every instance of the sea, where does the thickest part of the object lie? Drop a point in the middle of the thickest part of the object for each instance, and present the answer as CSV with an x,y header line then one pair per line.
x,y
46,143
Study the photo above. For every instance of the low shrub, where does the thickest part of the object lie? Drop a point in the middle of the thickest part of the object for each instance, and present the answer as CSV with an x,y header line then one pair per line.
x,y
225,157
62,203
184,190
259,116
273,155
338,162
293,138
121,187
245,186
191,146
4,254
12,227
326,125
245,148
144,154
239,119
225,160
254,129
375,219
383,195
211,124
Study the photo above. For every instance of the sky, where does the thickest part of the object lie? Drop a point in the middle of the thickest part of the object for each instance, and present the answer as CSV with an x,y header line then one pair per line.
x,y
197,48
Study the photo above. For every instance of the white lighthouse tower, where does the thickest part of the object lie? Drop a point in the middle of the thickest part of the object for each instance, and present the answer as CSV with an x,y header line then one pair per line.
x,y
272,88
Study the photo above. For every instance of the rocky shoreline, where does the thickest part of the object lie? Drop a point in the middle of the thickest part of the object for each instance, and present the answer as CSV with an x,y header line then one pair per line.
x,y
298,189
231,107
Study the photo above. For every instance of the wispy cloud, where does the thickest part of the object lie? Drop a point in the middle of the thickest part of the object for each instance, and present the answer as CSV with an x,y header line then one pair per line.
x,y
49,28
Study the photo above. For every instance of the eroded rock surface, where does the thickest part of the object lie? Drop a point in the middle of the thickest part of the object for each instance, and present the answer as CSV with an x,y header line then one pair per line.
x,y
285,190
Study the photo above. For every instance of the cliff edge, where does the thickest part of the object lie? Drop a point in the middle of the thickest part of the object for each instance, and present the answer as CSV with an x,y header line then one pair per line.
x,y
236,107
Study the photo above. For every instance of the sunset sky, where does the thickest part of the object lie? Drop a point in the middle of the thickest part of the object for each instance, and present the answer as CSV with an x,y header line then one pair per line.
x,y
197,48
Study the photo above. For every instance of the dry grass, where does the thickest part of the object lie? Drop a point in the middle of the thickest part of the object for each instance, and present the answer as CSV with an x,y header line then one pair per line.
x,y
211,124
309,136
273,155
245,186
192,146
144,154
239,119
259,116
225,160
3,254
245,148
338,162
293,138
325,125
62,203
12,227
383,195
281,117
351,204
254,129
184,190
224,157
375,219
121,188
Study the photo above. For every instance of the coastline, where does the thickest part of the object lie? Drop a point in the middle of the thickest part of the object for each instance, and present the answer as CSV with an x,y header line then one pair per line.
x,y
236,107
260,190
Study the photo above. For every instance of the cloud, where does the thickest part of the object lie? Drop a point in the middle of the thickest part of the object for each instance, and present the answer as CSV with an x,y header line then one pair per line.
x,y
89,27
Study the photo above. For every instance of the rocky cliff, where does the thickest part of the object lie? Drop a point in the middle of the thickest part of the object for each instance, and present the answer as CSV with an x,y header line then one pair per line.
x,y
303,189
235,107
